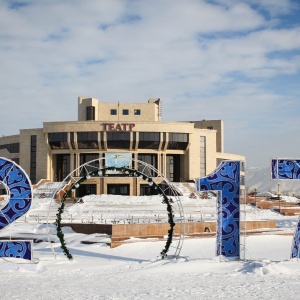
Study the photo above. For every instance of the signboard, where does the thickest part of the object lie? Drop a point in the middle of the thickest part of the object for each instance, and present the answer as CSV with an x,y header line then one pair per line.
x,y
118,160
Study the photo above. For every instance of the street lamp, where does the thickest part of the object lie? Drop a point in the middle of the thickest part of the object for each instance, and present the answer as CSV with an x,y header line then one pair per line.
x,y
255,192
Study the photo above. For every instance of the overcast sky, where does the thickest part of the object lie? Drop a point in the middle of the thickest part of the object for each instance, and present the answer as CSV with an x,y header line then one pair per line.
x,y
235,60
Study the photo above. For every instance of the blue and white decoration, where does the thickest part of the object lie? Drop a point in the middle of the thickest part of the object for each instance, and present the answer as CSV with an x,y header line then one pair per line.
x,y
288,169
20,193
16,249
285,169
226,180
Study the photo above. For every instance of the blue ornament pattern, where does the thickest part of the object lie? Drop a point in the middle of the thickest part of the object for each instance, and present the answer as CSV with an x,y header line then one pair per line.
x,y
219,224
295,243
16,249
285,169
226,180
288,169
20,192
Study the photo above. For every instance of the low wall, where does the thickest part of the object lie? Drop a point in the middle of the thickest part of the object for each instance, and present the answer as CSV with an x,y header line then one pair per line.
x,y
121,232
289,211
88,228
257,199
198,227
141,230
273,203
261,224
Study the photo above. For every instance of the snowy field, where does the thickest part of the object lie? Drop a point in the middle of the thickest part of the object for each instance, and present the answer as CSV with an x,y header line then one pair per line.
x,y
133,271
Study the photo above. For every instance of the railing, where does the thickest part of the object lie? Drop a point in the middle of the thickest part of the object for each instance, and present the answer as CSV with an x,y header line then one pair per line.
x,y
95,218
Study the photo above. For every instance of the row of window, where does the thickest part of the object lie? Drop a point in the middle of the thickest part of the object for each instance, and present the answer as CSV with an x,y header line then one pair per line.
x,y
63,165
112,135
125,112
90,112
117,140
117,189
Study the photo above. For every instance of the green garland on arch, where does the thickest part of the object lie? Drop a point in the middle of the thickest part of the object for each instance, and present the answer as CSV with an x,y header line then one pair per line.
x,y
59,232
131,172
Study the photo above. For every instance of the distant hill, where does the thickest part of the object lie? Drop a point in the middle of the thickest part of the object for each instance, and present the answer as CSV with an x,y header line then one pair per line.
x,y
261,179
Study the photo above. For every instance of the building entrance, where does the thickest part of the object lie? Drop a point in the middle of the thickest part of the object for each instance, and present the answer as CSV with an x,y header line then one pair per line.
x,y
118,189
173,167
86,189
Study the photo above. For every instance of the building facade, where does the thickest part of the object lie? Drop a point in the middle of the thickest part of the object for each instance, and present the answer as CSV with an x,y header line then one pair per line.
x,y
181,151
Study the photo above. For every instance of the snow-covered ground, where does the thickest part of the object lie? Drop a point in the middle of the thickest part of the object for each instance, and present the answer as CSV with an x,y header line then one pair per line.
x,y
133,271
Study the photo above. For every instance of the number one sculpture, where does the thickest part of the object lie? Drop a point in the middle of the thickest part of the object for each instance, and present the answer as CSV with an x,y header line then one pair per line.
x,y
226,181
20,196
288,169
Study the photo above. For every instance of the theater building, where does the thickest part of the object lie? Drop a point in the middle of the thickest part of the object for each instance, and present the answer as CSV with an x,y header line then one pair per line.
x,y
181,151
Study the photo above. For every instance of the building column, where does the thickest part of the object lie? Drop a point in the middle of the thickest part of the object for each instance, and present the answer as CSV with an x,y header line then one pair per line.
x,y
136,156
163,164
72,167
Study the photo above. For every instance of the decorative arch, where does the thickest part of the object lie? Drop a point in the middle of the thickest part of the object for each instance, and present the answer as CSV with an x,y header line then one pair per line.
x,y
144,171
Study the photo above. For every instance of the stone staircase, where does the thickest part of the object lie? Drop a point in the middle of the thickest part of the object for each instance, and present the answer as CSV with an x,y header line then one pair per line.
x,y
186,188
46,189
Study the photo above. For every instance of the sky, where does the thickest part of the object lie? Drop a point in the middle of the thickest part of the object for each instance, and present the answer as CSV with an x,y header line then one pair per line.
x,y
234,60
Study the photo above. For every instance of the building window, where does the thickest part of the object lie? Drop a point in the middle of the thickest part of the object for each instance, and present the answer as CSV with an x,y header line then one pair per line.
x,y
86,189
146,190
149,140
58,140
12,148
113,112
150,159
90,113
87,140
173,167
178,141
137,112
102,139
118,140
89,157
210,127
62,166
16,160
33,144
3,190
134,140
118,189
164,139
202,156
72,140
125,112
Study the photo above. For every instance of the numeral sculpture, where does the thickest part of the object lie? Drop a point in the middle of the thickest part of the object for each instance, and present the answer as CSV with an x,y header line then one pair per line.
x,y
20,196
288,169
226,181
